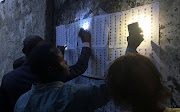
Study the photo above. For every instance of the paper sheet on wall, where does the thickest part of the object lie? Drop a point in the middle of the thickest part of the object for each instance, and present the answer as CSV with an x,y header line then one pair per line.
x,y
72,35
99,62
115,53
100,29
61,39
115,26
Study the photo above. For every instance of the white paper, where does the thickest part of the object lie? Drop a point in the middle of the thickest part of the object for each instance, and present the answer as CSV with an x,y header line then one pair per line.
x,y
100,29
115,53
61,39
116,27
72,35
99,62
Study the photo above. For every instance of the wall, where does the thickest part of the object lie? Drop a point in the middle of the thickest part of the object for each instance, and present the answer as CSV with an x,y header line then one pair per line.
x,y
68,11
18,19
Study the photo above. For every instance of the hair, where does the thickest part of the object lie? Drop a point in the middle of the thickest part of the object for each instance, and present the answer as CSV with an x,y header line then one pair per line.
x,y
135,82
29,43
45,63
19,62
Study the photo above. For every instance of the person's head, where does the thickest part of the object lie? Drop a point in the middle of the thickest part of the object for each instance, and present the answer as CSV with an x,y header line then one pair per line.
x,y
19,62
47,63
134,81
29,43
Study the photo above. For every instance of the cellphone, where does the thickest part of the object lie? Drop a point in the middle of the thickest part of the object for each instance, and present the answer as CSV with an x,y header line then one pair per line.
x,y
134,28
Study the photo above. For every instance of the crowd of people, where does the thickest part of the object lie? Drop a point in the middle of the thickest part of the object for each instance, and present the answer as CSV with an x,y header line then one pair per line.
x,y
37,83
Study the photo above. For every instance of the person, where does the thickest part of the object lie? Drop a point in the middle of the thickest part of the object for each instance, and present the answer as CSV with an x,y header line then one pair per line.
x,y
51,94
127,89
19,62
134,82
20,80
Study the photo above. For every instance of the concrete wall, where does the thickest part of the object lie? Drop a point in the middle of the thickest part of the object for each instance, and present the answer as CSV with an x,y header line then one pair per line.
x,y
18,19
68,11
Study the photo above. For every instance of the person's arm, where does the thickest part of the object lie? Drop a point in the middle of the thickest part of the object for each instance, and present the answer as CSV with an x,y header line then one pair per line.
x,y
130,50
89,97
82,64
134,40
80,67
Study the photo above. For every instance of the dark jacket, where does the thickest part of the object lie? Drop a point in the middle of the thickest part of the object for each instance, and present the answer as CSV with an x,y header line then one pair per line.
x,y
20,80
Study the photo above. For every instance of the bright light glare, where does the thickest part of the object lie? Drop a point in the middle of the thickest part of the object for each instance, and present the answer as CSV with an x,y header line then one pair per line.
x,y
86,26
144,24
1,1
65,47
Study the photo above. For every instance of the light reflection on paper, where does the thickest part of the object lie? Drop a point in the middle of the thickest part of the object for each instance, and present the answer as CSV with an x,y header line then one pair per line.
x,y
86,26
65,47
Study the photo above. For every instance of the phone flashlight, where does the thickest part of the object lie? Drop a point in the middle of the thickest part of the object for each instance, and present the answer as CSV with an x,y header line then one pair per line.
x,y
85,26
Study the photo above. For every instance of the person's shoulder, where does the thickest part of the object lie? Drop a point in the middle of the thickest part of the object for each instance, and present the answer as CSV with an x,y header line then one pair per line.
x,y
172,110
23,99
15,74
72,87
12,73
77,87
26,94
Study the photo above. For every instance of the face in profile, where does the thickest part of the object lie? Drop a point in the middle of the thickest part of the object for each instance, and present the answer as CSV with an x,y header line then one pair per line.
x,y
48,64
63,63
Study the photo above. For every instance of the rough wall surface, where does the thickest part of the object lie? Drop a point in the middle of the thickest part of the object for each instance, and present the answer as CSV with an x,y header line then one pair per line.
x,y
18,19
68,11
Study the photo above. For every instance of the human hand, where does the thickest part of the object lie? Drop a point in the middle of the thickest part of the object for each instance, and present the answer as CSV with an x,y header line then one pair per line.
x,y
135,38
84,35
61,48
